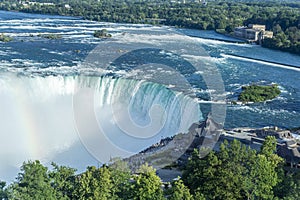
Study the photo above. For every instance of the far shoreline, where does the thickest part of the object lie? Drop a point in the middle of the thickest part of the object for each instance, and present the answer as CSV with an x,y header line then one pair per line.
x,y
238,40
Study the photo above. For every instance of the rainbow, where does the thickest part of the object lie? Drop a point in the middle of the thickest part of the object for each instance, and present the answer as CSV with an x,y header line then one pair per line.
x,y
25,120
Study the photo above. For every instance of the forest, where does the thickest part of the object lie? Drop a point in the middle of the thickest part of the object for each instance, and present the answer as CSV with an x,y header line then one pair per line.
x,y
283,18
233,172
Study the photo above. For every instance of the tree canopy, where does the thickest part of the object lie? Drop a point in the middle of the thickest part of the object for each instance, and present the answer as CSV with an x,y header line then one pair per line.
x,y
233,172
259,93
281,17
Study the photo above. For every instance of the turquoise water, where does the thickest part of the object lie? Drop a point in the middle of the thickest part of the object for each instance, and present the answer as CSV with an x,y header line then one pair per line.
x,y
39,78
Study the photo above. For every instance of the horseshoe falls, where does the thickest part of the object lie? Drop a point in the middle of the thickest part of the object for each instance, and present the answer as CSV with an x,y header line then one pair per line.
x,y
54,108
39,117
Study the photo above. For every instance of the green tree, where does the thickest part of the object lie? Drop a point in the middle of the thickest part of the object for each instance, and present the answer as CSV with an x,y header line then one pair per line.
x,y
179,191
290,189
266,171
120,176
193,174
3,191
277,29
62,180
235,172
33,183
94,184
147,185
269,146
198,196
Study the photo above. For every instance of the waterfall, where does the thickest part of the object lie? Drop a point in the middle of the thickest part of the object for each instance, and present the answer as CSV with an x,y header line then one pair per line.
x,y
38,112
131,114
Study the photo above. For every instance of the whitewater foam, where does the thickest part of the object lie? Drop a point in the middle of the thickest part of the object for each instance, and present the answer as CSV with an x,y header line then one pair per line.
x,y
47,103
261,62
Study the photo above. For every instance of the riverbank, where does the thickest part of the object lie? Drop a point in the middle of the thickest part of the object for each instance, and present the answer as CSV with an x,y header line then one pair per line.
x,y
217,36
215,16
173,153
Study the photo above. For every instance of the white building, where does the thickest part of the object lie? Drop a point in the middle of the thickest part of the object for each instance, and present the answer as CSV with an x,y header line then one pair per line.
x,y
253,32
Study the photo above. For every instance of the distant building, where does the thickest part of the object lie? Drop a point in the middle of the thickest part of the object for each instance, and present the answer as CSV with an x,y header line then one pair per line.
x,y
189,1
67,6
30,3
253,33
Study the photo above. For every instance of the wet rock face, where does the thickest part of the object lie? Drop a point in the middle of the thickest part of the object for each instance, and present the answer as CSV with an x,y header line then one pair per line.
x,y
175,151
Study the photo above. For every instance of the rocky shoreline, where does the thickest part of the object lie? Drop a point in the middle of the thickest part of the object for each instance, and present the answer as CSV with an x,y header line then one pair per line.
x,y
173,153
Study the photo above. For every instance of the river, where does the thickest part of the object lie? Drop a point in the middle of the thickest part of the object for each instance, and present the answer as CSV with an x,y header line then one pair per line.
x,y
43,117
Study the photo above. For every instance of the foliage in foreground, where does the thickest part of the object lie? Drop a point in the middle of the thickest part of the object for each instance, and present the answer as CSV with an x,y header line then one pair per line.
x,y
235,172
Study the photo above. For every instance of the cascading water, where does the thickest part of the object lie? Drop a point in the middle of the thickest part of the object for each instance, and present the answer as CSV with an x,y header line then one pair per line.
x,y
38,115
37,112
130,115
140,96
